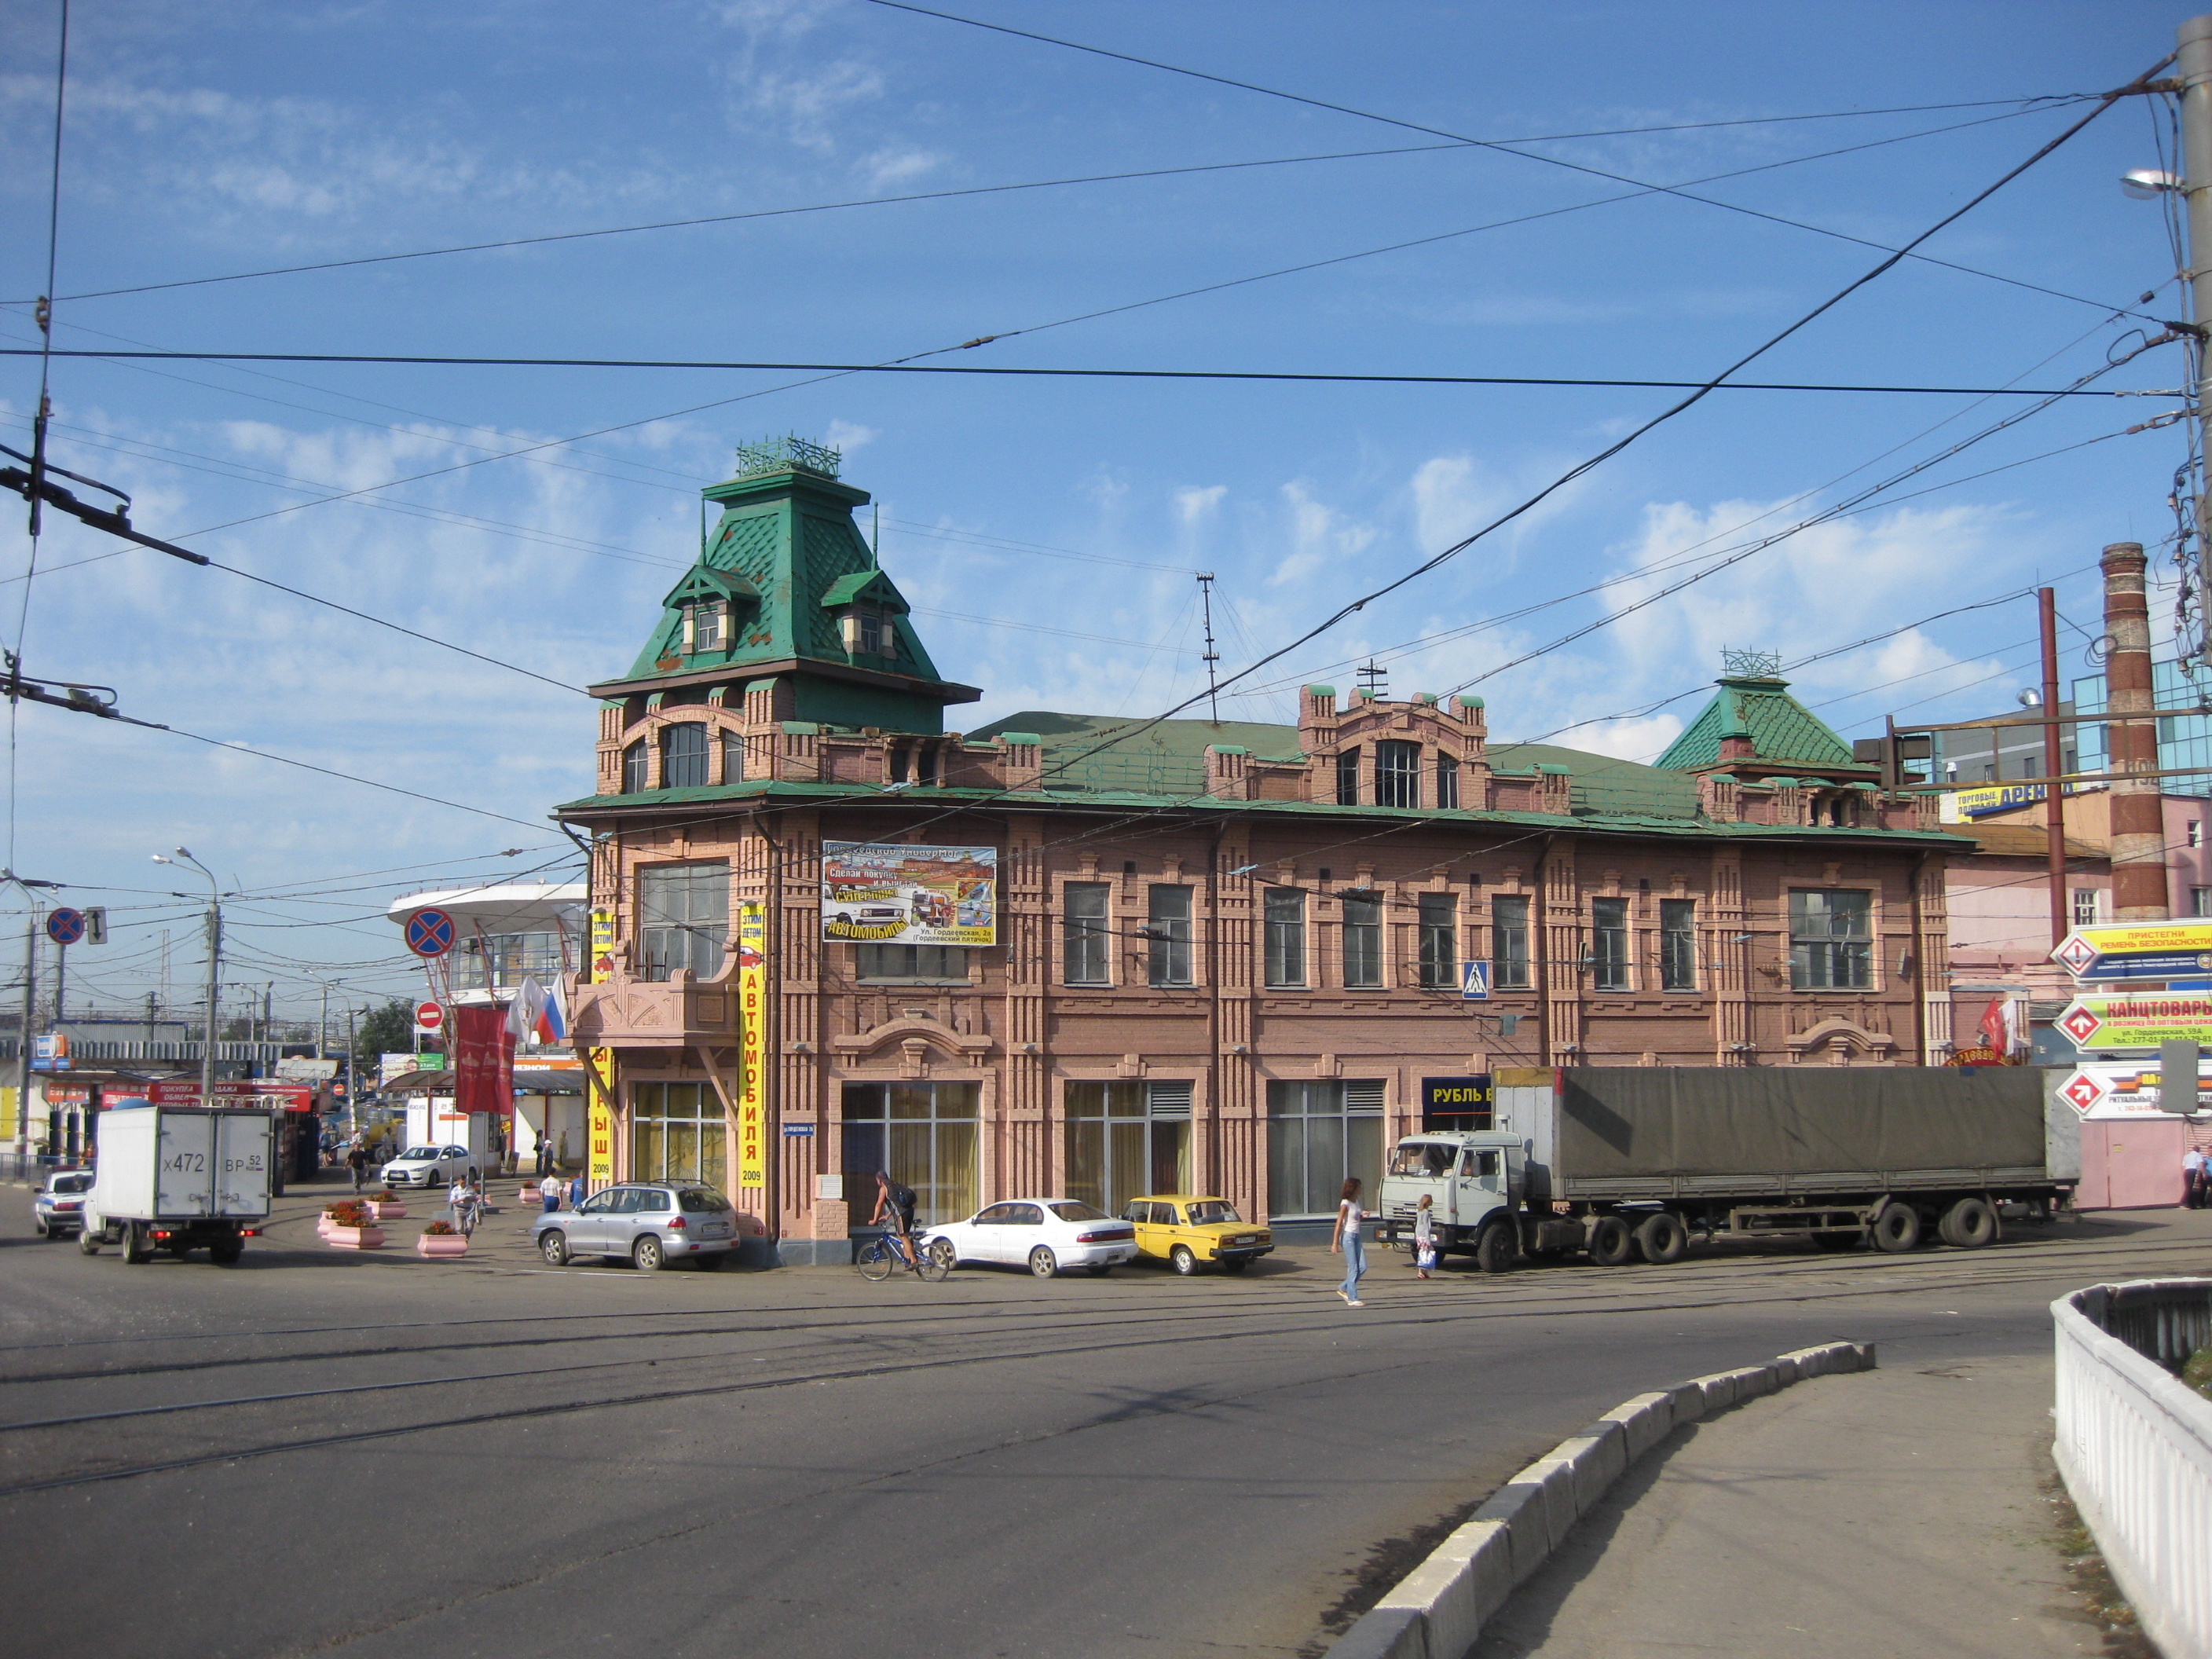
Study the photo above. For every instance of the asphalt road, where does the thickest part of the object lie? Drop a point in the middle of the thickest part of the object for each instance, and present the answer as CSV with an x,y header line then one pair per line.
x,y
316,1451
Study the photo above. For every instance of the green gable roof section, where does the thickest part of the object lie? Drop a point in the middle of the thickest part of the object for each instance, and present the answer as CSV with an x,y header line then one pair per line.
x,y
1758,707
788,559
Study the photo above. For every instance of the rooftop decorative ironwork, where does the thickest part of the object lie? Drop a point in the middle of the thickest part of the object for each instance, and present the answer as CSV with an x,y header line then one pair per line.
x,y
1751,664
790,452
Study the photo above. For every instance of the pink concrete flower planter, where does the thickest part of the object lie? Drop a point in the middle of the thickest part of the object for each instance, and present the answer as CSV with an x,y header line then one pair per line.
x,y
448,1245
354,1238
394,1211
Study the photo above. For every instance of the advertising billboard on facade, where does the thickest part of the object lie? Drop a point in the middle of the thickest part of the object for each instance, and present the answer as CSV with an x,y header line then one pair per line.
x,y
875,893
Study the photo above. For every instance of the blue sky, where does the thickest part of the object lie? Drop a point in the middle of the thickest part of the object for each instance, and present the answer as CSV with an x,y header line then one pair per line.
x,y
1047,528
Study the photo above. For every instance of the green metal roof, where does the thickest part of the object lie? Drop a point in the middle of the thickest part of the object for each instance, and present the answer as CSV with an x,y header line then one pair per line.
x,y
1780,728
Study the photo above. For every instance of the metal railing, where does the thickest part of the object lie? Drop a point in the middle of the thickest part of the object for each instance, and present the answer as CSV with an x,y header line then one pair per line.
x,y
2135,1446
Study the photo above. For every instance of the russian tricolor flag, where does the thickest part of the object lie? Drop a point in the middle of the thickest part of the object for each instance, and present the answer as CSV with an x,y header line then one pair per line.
x,y
537,1011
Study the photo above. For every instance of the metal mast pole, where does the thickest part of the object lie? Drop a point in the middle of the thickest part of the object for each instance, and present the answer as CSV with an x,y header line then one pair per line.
x,y
30,1015
2193,69
2054,799
214,985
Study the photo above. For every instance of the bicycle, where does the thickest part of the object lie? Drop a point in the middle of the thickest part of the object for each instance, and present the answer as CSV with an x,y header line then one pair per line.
x,y
881,1257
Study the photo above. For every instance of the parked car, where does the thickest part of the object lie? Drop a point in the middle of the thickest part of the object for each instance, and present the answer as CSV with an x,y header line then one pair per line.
x,y
57,1210
651,1222
429,1166
1185,1230
1043,1234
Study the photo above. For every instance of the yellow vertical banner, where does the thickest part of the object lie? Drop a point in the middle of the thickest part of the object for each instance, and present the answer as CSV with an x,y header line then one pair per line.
x,y
600,964
752,1016
600,1167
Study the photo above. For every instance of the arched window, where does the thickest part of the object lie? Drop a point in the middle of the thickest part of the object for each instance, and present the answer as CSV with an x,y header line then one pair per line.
x,y
684,757
633,768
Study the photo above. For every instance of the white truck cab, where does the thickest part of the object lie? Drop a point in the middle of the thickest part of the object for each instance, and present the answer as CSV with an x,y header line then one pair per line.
x,y
1474,1179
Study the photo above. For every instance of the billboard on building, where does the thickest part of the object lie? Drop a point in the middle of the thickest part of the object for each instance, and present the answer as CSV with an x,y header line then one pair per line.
x,y
875,893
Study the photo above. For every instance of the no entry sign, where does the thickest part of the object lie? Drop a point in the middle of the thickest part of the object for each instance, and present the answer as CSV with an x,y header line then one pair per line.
x,y
428,1016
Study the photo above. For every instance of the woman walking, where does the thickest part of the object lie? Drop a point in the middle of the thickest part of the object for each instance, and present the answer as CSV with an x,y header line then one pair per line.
x,y
1346,1239
1424,1237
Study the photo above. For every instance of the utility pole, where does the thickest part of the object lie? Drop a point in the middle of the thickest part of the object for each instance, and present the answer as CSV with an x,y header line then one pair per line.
x,y
2054,798
23,1046
61,978
2193,69
322,1025
2138,825
1212,656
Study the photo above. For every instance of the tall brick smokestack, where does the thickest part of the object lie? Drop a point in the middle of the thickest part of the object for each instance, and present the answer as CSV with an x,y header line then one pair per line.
x,y
2138,832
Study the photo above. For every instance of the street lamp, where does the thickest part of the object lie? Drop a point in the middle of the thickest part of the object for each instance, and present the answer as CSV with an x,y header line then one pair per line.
x,y
215,966
25,883
2148,184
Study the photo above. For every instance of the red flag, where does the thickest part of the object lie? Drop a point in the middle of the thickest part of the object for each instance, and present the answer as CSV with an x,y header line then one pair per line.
x,y
483,1060
1993,1025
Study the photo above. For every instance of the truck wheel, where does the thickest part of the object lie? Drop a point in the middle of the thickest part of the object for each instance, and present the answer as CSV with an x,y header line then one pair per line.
x,y
133,1243
1969,1224
1897,1229
87,1240
1662,1237
225,1252
1495,1250
1609,1241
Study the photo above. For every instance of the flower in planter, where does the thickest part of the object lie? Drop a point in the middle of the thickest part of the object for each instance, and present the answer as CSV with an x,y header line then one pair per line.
x,y
387,1196
440,1228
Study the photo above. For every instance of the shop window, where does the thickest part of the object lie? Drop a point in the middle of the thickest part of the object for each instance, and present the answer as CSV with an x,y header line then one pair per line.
x,y
1440,941
1348,777
1123,1139
733,757
1830,939
1609,945
1447,784
1318,1133
1285,913
1363,943
683,917
684,757
1678,945
1509,943
1397,774
911,964
1089,933
677,1134
1167,928
924,1133
633,768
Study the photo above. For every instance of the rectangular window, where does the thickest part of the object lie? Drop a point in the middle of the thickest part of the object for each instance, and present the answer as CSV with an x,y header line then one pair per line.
x,y
924,1134
1088,935
683,917
2200,900
1678,945
1318,1133
633,768
1348,777
706,628
1440,941
2085,907
1447,784
677,1134
1169,915
1609,944
1285,913
684,757
1830,939
878,637
1124,1139
1363,943
907,964
2197,832
1397,774
733,757
1509,943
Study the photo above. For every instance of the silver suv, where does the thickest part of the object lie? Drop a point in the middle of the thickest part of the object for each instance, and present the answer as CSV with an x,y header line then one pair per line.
x,y
650,1222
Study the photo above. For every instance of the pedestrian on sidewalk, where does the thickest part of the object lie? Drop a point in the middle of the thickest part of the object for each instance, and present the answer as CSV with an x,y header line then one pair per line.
x,y
2193,1178
576,1189
357,1161
544,1157
1346,1239
549,1193
1425,1235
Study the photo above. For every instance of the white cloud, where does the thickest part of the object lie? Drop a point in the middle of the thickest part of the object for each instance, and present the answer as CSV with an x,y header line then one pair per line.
x,y
1194,504
848,438
1319,536
898,165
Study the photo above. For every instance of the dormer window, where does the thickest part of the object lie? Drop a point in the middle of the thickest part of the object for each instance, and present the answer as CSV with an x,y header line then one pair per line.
x,y
869,632
706,622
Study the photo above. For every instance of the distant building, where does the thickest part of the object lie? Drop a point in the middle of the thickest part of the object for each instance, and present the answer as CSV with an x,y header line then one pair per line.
x,y
1223,957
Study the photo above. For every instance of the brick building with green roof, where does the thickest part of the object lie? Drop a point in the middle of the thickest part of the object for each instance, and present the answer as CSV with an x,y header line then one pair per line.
x,y
1220,957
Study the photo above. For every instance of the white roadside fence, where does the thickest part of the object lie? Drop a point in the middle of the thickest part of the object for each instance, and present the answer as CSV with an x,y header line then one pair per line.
x,y
2135,1447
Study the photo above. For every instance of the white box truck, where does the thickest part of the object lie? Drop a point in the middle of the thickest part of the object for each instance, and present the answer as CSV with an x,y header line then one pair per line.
x,y
177,1178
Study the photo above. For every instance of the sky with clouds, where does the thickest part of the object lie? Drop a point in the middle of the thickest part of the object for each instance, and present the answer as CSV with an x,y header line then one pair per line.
x,y
1047,530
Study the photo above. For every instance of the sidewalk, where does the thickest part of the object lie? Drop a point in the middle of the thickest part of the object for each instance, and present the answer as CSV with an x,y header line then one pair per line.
x,y
1886,1513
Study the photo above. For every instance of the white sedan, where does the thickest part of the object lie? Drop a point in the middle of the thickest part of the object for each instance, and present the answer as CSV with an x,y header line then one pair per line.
x,y
428,1166
1041,1234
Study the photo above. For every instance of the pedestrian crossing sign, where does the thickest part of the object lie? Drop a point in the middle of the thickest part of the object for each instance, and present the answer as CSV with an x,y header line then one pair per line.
x,y
1474,981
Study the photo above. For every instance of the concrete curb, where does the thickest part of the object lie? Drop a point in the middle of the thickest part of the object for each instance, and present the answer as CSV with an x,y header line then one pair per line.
x,y
1437,1610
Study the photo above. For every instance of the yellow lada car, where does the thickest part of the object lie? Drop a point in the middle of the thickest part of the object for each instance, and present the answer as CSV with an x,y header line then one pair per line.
x,y
1185,1230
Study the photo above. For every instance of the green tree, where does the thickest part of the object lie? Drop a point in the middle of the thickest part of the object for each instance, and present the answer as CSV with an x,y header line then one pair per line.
x,y
386,1031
